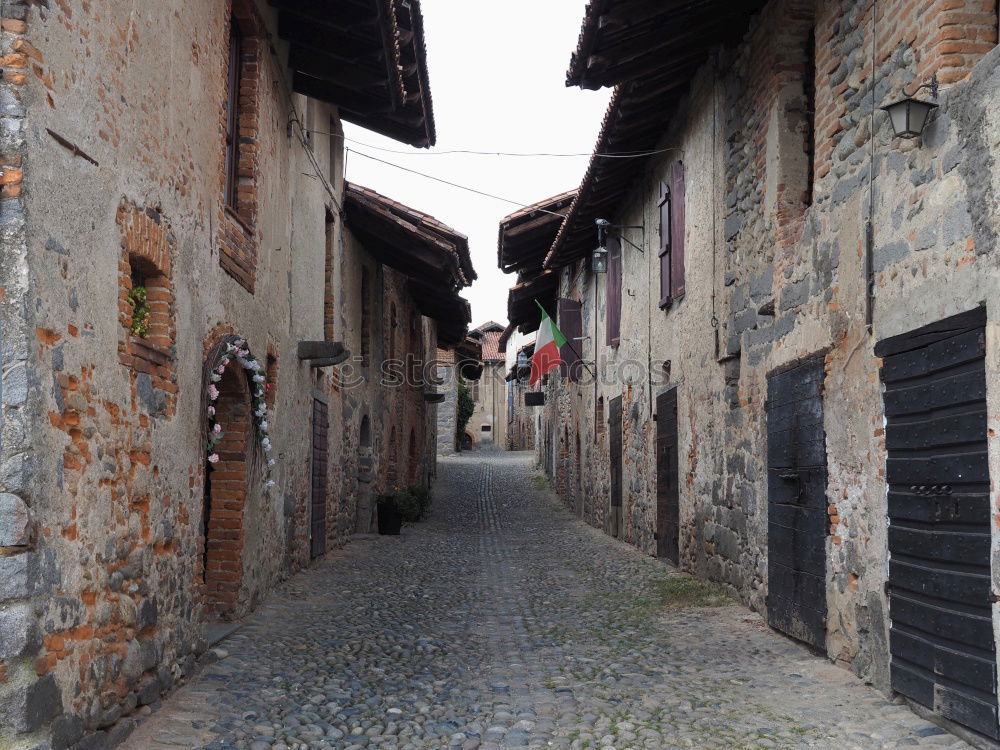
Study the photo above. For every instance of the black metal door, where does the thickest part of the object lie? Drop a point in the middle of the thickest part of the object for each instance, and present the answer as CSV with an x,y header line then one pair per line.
x,y
796,503
615,428
941,642
667,487
321,429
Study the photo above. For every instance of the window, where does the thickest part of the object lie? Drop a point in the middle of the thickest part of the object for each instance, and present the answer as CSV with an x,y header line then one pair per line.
x,y
613,280
671,250
233,115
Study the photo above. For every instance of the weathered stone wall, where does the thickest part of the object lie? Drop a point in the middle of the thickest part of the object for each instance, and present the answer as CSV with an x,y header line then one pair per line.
x,y
389,393
775,271
112,158
491,407
447,410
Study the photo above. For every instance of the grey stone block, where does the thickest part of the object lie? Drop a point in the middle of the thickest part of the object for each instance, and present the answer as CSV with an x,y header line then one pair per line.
x,y
888,254
18,631
66,731
17,574
27,708
14,521
794,294
957,225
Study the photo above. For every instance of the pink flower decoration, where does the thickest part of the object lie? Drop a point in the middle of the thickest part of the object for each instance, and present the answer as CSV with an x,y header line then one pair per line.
x,y
211,411
217,429
214,458
220,369
213,392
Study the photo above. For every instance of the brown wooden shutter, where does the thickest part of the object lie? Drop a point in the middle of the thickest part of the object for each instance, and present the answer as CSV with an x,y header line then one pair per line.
x,y
677,230
665,239
613,314
571,325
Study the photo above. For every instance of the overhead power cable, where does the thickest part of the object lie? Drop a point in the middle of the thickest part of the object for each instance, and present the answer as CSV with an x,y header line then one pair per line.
x,y
455,184
471,152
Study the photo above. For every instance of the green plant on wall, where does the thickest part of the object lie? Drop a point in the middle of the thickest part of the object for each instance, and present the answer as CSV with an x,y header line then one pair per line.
x,y
465,407
140,311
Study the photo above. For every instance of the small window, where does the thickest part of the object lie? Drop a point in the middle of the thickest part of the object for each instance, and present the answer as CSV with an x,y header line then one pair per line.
x,y
664,251
487,428
233,115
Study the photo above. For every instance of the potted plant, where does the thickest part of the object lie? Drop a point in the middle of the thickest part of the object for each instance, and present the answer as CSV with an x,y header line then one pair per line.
x,y
409,507
389,518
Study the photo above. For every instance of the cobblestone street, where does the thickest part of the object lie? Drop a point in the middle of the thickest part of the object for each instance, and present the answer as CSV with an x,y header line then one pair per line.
x,y
502,621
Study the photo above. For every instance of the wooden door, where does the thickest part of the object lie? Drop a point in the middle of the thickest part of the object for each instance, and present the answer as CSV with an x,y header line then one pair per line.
x,y
941,642
797,506
615,429
320,434
667,486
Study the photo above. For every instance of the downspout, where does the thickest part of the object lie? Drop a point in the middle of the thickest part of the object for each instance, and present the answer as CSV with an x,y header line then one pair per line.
x,y
870,225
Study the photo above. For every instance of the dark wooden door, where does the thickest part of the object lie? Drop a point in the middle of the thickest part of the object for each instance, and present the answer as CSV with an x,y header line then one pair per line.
x,y
321,429
941,642
615,429
796,503
667,487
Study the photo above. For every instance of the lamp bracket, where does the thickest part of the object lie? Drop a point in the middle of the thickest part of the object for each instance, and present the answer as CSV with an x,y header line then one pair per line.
x,y
931,85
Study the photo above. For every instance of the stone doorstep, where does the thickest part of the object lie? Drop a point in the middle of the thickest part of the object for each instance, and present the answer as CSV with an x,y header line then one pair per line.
x,y
217,632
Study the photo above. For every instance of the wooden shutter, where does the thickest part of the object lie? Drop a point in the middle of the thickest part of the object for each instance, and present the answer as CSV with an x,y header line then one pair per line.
x,y
571,325
613,314
677,231
665,238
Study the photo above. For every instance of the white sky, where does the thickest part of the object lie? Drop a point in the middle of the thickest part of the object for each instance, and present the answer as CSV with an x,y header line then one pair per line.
x,y
497,77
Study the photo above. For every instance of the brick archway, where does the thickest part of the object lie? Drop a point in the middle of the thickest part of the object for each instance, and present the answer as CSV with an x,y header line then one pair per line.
x,y
226,484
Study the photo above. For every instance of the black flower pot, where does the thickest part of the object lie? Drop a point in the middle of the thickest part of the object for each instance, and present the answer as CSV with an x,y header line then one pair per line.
x,y
390,520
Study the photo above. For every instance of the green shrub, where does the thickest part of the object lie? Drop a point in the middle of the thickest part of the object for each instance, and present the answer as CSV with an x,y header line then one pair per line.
x,y
423,496
408,504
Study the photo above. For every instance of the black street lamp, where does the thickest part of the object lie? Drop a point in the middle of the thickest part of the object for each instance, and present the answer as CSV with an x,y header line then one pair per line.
x,y
908,116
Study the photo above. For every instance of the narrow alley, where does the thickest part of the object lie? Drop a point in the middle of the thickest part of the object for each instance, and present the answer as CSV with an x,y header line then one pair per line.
x,y
503,621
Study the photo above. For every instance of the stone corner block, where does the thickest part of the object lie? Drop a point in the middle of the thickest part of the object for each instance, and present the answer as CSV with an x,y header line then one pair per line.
x,y
28,707
18,631
14,521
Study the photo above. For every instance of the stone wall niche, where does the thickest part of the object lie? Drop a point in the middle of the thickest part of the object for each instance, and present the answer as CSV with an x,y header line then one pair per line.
x,y
148,351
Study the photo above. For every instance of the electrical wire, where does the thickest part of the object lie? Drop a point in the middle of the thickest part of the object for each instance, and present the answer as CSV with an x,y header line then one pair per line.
x,y
471,152
456,185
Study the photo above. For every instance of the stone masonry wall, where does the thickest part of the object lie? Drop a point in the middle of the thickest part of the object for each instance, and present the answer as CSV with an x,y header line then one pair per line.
x,y
775,271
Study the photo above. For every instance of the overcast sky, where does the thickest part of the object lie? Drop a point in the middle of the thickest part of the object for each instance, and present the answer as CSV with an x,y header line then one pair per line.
x,y
497,77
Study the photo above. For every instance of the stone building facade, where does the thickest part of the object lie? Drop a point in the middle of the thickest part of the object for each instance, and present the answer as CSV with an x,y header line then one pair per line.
x,y
488,424
795,343
121,533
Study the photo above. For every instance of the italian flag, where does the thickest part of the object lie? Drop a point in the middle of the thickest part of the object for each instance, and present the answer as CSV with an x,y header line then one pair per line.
x,y
547,344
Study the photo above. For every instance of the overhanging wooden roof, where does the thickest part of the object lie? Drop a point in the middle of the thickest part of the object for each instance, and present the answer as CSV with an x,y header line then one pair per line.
x,y
648,49
526,235
623,40
432,255
521,308
366,56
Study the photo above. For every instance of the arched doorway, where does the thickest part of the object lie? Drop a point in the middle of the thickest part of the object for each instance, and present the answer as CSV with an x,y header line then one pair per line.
x,y
225,495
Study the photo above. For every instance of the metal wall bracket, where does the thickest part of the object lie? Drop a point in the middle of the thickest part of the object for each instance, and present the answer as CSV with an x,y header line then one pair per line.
x,y
323,353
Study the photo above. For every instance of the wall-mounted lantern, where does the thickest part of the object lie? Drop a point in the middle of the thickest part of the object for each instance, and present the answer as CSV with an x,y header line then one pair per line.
x,y
600,261
908,116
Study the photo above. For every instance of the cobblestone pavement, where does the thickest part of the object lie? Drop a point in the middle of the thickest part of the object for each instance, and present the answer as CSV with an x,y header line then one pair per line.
x,y
502,621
